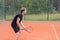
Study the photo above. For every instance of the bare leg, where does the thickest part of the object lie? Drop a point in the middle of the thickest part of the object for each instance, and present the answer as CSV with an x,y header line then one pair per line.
x,y
16,36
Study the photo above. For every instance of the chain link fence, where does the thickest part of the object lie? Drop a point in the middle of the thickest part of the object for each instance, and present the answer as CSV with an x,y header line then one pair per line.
x,y
37,10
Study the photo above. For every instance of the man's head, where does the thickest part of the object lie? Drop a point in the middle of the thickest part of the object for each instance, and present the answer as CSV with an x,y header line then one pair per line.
x,y
23,11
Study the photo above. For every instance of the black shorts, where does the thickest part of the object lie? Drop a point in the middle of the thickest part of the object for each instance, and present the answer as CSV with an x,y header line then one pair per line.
x,y
15,28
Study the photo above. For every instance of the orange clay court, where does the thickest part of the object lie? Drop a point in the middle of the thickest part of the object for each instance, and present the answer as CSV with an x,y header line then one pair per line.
x,y
41,31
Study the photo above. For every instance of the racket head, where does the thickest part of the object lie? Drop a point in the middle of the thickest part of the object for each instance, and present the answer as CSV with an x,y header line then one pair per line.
x,y
29,29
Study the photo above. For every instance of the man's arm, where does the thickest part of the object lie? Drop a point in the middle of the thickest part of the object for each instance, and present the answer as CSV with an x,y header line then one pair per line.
x,y
18,19
23,27
20,23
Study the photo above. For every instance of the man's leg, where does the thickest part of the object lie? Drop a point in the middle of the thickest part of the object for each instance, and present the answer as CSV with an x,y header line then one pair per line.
x,y
16,36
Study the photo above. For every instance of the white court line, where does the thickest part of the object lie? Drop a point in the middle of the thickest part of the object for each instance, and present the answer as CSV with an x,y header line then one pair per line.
x,y
53,26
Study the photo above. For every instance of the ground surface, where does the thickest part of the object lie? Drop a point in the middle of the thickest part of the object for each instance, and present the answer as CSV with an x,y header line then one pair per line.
x,y
41,31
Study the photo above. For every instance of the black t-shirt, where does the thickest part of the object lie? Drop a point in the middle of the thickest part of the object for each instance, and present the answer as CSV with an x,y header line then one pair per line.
x,y
15,19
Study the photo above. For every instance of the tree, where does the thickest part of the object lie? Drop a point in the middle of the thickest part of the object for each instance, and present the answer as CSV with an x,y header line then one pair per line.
x,y
58,5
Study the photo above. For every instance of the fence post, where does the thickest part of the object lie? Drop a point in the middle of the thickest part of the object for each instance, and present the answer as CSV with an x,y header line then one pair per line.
x,y
13,3
48,11
3,9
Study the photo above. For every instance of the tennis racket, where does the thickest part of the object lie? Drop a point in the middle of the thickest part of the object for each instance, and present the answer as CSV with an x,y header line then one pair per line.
x,y
28,29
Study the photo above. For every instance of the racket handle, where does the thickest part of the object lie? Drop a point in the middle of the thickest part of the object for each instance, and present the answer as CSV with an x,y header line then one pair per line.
x,y
22,29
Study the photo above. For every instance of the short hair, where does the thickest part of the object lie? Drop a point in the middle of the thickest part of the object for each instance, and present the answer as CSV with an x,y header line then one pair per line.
x,y
23,9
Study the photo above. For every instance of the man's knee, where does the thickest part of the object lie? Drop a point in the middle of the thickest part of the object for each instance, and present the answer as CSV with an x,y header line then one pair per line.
x,y
17,33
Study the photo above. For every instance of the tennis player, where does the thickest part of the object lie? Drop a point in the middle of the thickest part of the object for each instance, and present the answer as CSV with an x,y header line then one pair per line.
x,y
17,23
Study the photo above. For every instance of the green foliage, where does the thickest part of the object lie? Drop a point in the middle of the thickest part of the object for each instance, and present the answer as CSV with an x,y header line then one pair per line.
x,y
33,6
37,7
